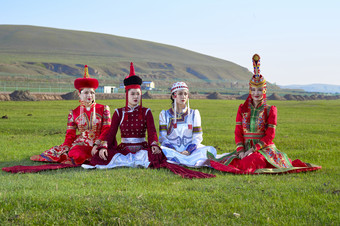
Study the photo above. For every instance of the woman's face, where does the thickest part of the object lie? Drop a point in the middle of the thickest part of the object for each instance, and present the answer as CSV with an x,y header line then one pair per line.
x,y
182,96
134,96
87,95
256,93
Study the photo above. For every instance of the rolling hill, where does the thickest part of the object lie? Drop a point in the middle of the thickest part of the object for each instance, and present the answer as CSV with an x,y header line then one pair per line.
x,y
39,51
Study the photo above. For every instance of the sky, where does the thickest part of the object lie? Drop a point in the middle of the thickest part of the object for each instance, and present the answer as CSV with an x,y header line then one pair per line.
x,y
298,40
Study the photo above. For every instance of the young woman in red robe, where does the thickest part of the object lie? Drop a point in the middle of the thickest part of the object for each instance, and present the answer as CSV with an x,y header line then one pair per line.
x,y
254,133
134,122
92,121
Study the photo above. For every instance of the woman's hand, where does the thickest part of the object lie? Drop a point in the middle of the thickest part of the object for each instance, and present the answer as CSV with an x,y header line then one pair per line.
x,y
103,153
249,152
185,153
241,155
94,150
155,150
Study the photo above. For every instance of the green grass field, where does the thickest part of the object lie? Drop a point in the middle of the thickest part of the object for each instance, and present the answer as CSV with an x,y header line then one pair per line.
x,y
306,130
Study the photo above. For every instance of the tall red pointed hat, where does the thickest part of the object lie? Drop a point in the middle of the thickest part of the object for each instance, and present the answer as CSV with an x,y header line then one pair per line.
x,y
132,81
86,81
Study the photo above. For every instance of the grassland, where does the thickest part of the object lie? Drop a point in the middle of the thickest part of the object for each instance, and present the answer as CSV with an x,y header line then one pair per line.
x,y
306,130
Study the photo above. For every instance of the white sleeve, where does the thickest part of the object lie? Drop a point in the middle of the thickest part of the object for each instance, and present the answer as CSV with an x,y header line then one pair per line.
x,y
163,126
197,134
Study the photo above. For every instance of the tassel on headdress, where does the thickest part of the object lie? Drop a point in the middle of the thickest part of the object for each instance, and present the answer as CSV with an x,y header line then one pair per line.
x,y
175,87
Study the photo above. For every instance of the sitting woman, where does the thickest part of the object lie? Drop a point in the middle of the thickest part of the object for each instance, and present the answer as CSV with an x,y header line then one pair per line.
x,y
180,131
134,151
254,134
92,120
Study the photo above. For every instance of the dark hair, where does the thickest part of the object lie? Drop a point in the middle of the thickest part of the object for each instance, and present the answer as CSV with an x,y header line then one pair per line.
x,y
172,99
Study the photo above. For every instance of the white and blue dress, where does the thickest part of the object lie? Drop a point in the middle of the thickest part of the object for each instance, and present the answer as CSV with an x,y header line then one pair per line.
x,y
187,136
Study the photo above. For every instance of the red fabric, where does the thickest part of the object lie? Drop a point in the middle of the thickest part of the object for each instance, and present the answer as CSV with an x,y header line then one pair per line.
x,y
133,86
72,124
299,163
106,121
140,108
34,169
239,130
132,70
80,154
79,146
62,158
229,168
269,131
81,83
71,132
130,127
186,173
249,164
86,81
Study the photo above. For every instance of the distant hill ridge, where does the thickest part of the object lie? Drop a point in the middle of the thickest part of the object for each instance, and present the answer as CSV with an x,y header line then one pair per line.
x,y
40,50
321,88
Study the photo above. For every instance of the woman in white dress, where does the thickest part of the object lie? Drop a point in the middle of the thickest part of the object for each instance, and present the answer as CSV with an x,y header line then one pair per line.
x,y
180,131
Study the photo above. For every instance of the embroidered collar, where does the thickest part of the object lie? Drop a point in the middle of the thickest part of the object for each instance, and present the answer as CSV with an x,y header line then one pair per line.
x,y
260,105
131,109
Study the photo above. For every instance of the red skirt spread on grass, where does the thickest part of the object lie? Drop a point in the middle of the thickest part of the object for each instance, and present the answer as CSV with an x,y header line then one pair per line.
x,y
35,169
58,160
260,163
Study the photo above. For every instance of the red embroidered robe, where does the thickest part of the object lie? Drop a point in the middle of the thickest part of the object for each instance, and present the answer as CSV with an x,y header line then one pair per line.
x,y
256,129
133,126
77,147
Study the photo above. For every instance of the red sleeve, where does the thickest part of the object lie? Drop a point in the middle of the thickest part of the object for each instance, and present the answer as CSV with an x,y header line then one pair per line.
x,y
270,132
239,131
105,124
71,130
111,135
150,126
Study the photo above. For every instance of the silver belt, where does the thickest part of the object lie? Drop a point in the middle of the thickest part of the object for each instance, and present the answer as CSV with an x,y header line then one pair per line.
x,y
132,140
